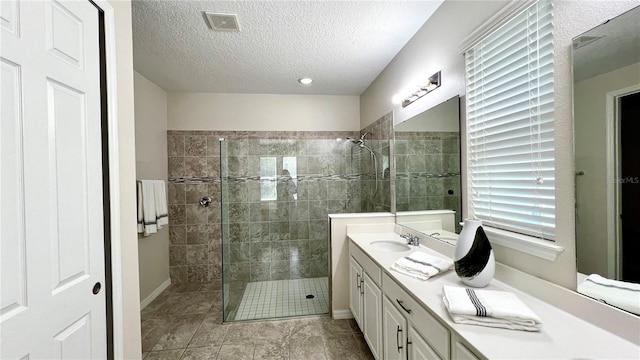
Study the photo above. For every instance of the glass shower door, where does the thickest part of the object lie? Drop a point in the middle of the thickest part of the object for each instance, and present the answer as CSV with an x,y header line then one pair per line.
x,y
227,314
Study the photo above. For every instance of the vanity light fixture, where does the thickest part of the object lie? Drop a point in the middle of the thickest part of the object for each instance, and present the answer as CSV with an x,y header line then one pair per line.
x,y
305,80
432,84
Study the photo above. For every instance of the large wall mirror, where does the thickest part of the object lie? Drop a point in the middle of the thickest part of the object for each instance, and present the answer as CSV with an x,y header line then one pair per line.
x,y
427,158
606,87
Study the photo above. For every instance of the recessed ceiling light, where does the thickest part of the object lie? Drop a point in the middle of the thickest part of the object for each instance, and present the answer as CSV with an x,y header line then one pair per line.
x,y
305,81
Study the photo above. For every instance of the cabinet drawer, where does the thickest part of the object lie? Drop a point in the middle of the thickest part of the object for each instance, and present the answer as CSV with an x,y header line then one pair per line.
x,y
434,333
368,266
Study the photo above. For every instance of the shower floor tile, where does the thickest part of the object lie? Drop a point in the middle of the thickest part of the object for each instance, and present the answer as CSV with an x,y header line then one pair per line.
x,y
283,298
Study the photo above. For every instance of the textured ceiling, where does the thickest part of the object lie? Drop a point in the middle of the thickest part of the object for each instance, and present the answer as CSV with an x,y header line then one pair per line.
x,y
342,45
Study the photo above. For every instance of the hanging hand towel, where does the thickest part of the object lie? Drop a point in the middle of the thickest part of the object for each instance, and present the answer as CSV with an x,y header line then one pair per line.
x,y
421,265
623,295
491,308
148,207
140,203
160,194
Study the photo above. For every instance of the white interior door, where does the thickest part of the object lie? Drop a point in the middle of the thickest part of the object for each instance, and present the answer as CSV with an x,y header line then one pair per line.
x,y
51,236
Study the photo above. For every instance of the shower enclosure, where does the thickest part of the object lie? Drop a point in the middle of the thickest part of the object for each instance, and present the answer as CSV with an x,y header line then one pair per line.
x,y
276,197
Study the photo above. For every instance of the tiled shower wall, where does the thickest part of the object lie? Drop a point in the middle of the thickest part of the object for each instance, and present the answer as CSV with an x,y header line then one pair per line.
x,y
375,190
428,171
195,238
274,239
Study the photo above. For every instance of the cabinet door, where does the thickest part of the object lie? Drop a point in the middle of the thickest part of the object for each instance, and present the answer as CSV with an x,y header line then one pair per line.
x,y
355,291
394,334
372,316
463,353
418,347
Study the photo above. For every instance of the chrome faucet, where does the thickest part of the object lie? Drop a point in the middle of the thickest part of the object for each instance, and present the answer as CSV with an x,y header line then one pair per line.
x,y
411,240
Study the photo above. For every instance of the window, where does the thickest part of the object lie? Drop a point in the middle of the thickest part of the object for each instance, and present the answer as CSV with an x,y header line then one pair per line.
x,y
268,178
510,149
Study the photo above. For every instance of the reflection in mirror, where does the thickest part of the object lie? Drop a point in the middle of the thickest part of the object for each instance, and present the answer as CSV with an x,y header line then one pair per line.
x,y
427,157
606,76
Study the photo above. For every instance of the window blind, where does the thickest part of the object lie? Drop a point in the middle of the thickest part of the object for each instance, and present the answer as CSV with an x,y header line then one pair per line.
x,y
510,125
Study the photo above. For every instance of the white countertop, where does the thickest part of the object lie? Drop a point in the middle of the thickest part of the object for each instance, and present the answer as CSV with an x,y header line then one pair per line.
x,y
563,336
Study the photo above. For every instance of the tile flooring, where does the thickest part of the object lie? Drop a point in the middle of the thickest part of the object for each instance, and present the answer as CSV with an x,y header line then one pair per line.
x,y
185,322
284,298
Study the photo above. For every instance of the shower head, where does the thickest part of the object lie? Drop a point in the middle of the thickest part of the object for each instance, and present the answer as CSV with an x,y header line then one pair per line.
x,y
359,142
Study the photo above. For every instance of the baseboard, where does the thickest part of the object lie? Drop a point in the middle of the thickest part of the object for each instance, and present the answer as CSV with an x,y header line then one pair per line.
x,y
155,294
342,314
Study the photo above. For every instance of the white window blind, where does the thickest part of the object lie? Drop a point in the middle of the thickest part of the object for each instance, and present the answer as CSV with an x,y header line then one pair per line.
x,y
510,125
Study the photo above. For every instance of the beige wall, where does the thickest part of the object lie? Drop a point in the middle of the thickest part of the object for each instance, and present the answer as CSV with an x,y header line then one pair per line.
x,y
151,163
132,348
591,157
435,47
263,112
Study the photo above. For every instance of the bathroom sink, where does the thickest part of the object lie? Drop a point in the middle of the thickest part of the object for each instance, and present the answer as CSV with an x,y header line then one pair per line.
x,y
388,245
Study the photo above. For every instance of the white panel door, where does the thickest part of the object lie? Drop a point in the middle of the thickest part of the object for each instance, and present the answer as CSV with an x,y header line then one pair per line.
x,y
355,290
51,212
394,333
372,316
418,347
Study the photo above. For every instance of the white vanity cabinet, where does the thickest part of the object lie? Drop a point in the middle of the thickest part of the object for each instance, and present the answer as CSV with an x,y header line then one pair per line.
x,y
428,335
401,340
404,318
365,298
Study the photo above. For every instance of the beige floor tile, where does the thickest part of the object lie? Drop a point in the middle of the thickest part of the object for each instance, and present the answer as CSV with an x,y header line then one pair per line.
x,y
364,347
243,333
309,348
272,350
210,332
273,330
153,329
165,355
236,352
180,333
342,348
198,303
201,353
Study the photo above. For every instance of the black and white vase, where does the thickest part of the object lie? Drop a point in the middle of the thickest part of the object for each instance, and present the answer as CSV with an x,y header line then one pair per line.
x,y
473,259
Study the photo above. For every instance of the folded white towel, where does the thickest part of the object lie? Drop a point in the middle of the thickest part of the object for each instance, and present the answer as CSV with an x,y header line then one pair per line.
x,y
623,295
421,265
491,308
160,197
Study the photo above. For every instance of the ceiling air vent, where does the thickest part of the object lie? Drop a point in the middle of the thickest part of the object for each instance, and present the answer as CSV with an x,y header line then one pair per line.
x,y
585,40
222,22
